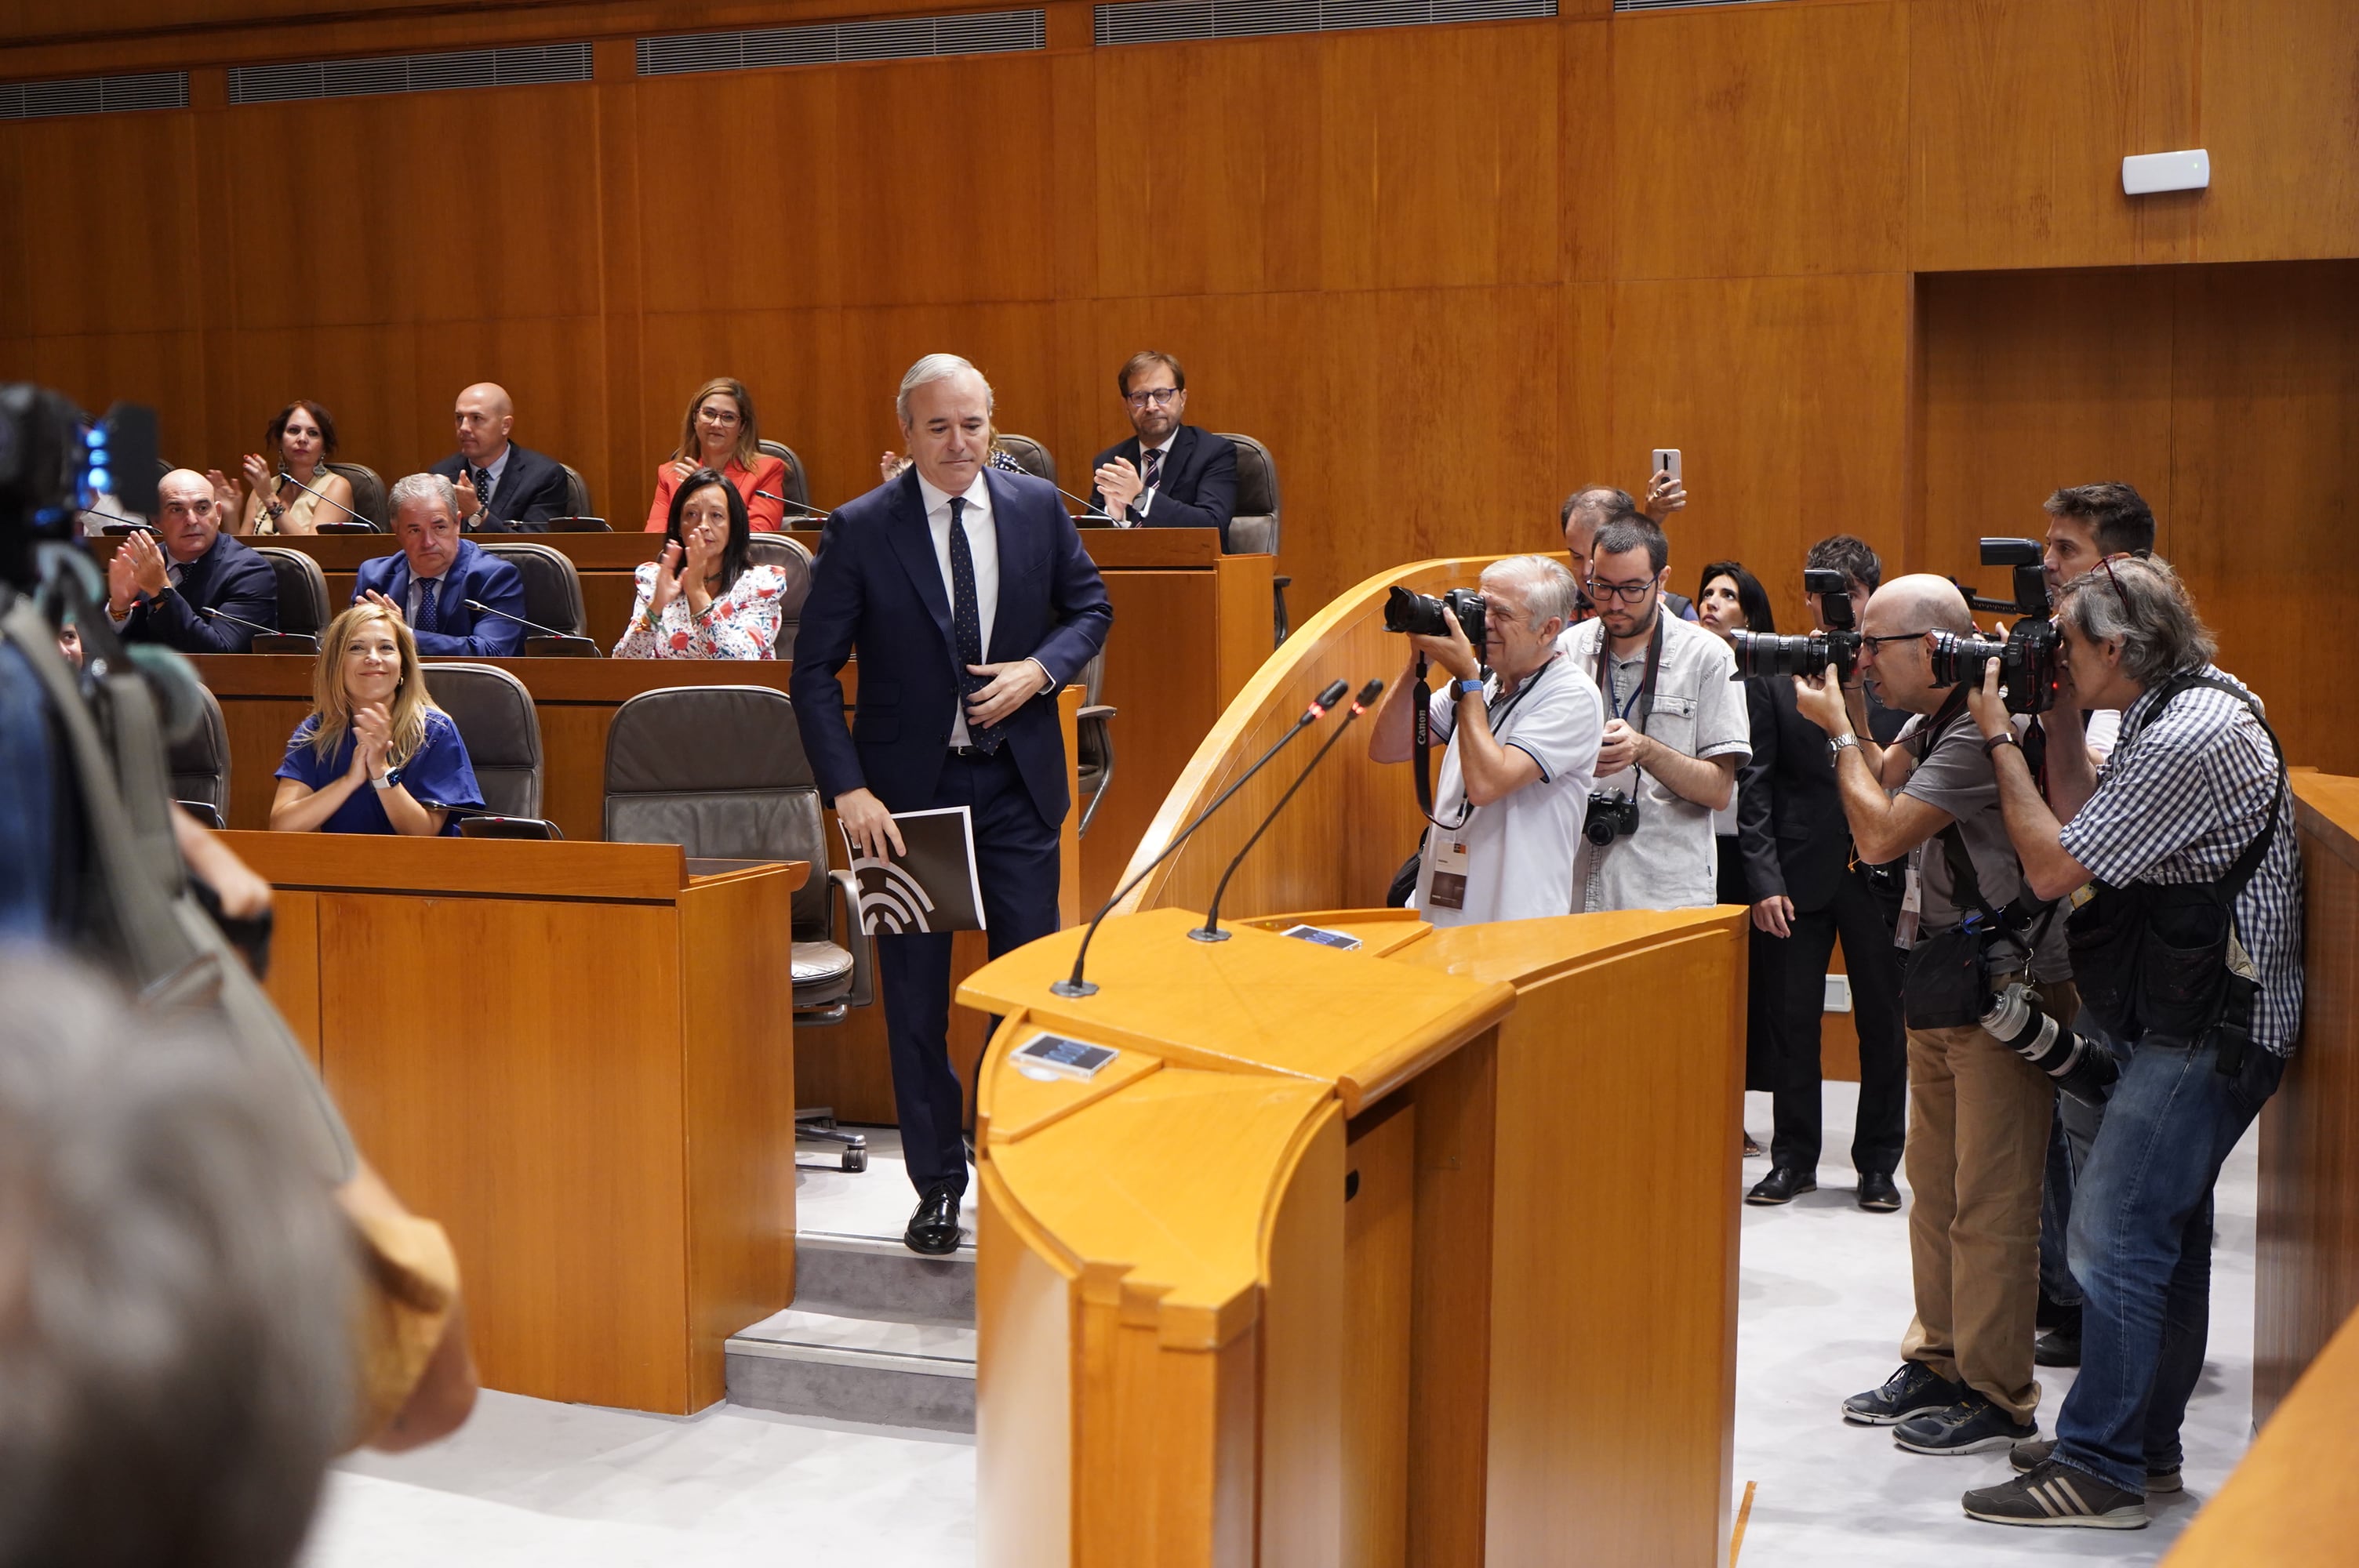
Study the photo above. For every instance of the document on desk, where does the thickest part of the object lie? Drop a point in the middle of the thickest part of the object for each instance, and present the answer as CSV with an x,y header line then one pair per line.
x,y
932,886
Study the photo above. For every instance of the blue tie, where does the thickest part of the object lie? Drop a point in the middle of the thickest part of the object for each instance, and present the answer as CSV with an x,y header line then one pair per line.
x,y
429,618
966,621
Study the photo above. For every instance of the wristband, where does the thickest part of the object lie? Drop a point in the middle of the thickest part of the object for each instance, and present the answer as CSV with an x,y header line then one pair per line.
x,y
2005,738
1470,689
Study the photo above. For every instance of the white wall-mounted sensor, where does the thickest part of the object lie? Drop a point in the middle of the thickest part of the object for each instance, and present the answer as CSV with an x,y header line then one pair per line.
x,y
2150,172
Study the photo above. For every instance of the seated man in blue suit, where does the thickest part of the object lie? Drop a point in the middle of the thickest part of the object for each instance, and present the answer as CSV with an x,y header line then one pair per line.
x,y
502,487
430,583
1168,474
970,600
166,586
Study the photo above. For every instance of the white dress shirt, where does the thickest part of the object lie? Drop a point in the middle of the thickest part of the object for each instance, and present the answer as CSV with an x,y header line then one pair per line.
x,y
983,544
1146,497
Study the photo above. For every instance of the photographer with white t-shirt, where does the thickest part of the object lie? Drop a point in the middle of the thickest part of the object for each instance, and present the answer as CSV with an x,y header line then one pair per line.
x,y
1522,748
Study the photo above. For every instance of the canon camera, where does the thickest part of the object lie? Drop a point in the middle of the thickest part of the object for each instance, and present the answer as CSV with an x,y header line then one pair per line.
x,y
2027,655
1768,654
1421,614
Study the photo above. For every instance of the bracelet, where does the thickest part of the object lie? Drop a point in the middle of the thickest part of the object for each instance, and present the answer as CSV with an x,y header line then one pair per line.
x,y
1470,689
2005,738
275,511
1846,742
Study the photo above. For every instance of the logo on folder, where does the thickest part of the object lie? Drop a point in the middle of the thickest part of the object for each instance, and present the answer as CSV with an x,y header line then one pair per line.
x,y
931,886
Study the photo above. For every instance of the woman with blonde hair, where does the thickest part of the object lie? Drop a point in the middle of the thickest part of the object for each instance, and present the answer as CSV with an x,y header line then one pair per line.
x,y
374,754
299,443
719,434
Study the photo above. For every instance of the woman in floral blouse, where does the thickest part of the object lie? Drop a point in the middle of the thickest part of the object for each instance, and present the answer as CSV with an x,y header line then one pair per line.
x,y
704,599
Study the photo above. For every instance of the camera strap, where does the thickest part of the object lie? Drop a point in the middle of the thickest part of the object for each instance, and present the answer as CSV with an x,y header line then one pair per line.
x,y
1641,699
1422,737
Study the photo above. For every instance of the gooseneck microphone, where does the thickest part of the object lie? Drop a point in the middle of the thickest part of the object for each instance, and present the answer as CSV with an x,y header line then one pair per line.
x,y
1211,930
567,643
287,478
241,620
800,506
480,608
1073,984
1087,510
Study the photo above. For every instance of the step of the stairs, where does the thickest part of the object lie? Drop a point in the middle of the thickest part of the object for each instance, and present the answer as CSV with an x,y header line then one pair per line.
x,y
879,1277
826,1361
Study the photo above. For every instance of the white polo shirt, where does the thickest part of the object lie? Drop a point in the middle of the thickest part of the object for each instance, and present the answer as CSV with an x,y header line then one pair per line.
x,y
1519,850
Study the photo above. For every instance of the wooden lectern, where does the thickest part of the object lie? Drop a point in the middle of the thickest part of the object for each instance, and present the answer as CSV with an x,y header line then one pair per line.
x,y
1418,1253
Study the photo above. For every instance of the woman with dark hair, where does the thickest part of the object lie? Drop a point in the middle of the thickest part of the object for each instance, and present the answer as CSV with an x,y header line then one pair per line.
x,y
719,434
1730,599
705,600
299,443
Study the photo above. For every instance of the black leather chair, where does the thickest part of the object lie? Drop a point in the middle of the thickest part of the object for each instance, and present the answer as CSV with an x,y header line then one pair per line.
x,y
1030,455
1093,738
368,497
502,732
577,503
552,585
200,763
303,606
720,770
1253,527
798,481
788,556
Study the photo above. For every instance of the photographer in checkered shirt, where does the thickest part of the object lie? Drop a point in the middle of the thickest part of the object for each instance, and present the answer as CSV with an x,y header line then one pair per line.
x,y
2184,881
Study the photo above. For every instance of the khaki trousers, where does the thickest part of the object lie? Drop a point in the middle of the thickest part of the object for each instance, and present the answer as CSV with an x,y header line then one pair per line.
x,y
1977,1152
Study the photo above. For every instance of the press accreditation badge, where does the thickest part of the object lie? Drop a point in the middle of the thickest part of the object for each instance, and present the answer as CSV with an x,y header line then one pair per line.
x,y
1449,889
1912,908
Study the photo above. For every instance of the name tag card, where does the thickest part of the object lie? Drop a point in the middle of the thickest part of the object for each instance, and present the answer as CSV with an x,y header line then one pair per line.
x,y
1449,889
1045,1058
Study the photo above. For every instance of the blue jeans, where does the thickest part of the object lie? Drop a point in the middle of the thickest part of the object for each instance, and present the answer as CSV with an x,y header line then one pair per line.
x,y
2141,1249
2068,1141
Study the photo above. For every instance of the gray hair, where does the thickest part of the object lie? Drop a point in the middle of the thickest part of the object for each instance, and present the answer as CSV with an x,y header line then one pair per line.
x,y
1547,588
2143,604
412,487
174,1290
933,368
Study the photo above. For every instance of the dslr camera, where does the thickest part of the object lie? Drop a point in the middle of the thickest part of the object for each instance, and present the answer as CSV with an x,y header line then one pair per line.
x,y
1768,654
2026,656
1612,816
1421,614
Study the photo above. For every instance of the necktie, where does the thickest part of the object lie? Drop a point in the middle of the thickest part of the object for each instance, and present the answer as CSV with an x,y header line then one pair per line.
x,y
1153,471
966,623
483,486
430,618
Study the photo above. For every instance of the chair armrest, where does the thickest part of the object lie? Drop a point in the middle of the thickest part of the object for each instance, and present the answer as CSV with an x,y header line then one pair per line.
x,y
1096,710
858,942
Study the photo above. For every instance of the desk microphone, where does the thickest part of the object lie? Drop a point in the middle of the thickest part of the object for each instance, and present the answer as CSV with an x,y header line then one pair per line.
x,y
269,639
480,608
287,478
1087,510
805,510
241,621
1211,930
1073,984
131,522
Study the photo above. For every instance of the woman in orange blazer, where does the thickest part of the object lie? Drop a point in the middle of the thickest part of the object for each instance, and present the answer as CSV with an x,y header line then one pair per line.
x,y
719,434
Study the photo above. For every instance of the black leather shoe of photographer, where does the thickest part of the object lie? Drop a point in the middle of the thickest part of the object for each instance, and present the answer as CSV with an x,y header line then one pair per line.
x,y
1784,1184
1878,1194
934,1228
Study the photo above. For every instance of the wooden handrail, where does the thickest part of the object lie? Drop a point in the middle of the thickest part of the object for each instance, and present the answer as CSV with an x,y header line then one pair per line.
x,y
1353,825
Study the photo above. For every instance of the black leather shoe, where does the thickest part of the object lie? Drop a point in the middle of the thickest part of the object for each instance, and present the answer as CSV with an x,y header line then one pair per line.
x,y
2059,1347
1784,1184
934,1228
1877,1192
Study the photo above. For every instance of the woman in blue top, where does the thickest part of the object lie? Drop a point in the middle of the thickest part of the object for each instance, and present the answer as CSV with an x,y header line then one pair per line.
x,y
375,755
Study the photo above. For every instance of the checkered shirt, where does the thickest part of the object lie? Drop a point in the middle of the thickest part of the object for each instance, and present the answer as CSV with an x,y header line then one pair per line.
x,y
2183,793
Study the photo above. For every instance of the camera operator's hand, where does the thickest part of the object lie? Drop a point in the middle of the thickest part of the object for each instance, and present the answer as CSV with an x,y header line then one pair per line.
x,y
1774,914
1452,653
1987,703
1618,748
1820,699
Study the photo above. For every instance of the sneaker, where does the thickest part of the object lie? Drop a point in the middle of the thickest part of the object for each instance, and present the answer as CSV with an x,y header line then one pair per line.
x,y
1972,1425
2055,1494
2032,1455
1912,1391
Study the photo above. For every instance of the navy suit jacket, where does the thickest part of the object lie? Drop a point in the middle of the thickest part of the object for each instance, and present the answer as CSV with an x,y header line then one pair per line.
x,y
877,588
1198,486
531,490
229,577
476,574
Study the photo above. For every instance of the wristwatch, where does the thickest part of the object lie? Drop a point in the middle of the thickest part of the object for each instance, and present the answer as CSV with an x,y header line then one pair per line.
x,y
386,780
1838,744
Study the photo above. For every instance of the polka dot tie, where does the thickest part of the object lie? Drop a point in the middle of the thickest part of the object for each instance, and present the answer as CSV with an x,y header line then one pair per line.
x,y
966,623
429,615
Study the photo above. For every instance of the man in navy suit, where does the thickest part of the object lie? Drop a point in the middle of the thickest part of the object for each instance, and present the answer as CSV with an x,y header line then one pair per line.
x,y
502,487
970,602
1168,474
429,584
161,592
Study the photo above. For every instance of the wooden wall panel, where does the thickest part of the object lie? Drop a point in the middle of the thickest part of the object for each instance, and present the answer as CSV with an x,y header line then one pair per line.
x,y
2279,82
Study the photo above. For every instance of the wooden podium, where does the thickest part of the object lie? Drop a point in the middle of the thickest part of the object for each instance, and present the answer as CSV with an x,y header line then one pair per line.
x,y
579,1059
1421,1253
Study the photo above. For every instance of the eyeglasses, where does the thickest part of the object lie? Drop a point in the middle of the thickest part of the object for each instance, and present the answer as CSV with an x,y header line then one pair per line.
x,y
1157,395
2107,562
717,415
1890,637
1627,592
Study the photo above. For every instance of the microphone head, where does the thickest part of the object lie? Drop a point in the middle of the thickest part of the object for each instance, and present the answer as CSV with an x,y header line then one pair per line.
x,y
1332,695
477,605
1368,695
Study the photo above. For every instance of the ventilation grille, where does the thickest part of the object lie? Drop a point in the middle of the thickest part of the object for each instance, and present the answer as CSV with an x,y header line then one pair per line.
x,y
408,74
1677,4
1167,21
93,95
832,43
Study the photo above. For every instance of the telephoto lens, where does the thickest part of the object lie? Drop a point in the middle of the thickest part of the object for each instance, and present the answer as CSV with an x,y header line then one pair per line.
x,y
2080,1067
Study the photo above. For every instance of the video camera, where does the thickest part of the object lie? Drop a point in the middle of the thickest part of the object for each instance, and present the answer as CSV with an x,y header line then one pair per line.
x,y
55,460
1421,614
1768,654
2027,655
